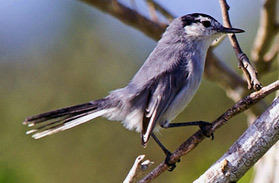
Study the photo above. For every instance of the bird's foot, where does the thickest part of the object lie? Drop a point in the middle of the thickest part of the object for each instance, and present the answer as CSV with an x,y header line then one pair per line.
x,y
205,128
169,164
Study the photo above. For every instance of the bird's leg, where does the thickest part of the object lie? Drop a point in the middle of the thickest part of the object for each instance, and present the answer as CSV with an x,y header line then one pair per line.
x,y
167,152
202,124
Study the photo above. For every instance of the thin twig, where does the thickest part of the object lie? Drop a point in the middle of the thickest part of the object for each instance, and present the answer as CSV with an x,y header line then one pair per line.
x,y
152,11
162,10
196,138
273,51
138,169
265,35
244,63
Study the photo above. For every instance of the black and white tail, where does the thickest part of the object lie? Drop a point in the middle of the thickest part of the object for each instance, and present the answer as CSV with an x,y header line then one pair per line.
x,y
62,119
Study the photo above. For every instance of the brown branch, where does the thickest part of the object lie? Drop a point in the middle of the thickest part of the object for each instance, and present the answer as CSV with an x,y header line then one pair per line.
x,y
244,63
196,138
265,35
130,17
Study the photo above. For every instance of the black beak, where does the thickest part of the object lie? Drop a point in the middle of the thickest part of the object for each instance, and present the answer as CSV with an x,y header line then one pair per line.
x,y
231,30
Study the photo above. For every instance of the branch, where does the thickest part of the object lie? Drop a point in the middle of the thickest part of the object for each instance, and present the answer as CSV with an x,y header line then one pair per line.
x,y
232,83
162,10
138,169
247,150
196,138
265,36
152,11
129,17
244,63
273,52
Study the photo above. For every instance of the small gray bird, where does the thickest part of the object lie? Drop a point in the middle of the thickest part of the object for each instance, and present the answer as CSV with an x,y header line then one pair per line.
x,y
158,92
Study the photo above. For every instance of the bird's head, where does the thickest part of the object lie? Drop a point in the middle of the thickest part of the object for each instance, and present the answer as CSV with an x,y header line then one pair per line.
x,y
198,26
202,25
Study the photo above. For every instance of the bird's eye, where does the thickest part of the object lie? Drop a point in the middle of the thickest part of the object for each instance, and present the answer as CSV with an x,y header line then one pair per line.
x,y
206,24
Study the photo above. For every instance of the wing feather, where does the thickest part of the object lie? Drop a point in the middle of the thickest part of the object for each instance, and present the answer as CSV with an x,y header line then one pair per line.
x,y
162,92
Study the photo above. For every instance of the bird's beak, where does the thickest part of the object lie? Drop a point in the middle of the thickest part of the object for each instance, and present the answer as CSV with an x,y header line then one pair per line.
x,y
231,30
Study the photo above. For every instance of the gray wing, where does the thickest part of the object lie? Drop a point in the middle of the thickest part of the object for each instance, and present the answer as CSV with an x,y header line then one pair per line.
x,y
161,93
158,81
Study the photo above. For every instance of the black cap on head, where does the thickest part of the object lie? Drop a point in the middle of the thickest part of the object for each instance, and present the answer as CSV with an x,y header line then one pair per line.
x,y
193,18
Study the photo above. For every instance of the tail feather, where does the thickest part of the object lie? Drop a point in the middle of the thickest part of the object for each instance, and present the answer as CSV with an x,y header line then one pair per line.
x,y
62,119
62,112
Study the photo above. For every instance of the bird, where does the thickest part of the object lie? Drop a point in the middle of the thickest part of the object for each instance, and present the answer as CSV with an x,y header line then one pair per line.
x,y
160,90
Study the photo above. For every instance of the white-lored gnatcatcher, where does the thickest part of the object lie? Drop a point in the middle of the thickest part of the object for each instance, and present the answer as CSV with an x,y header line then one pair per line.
x,y
158,92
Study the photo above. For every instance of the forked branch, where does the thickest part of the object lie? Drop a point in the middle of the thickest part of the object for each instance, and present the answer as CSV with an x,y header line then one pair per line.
x,y
244,63
138,169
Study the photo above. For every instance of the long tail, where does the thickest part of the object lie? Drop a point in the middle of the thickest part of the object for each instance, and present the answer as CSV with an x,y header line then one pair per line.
x,y
62,119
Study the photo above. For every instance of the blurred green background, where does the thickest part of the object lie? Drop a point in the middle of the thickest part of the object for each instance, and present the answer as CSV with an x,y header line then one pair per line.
x,y
59,53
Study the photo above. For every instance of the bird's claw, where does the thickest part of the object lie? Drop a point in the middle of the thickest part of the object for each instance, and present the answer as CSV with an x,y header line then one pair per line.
x,y
205,128
169,164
